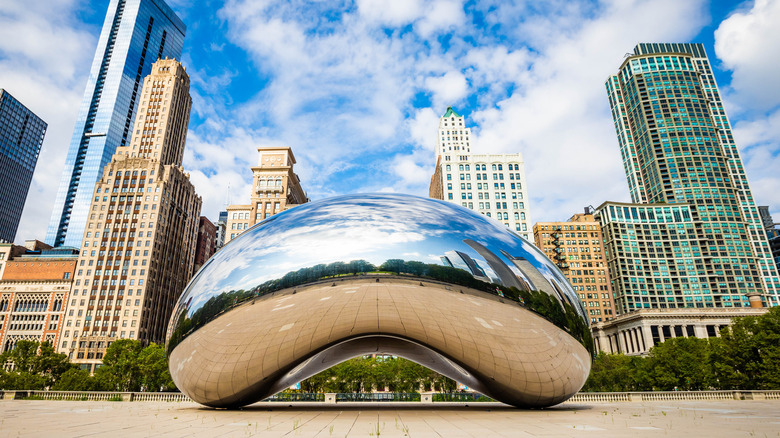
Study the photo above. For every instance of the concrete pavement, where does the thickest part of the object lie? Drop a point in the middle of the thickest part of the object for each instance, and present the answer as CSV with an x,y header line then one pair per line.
x,y
33,418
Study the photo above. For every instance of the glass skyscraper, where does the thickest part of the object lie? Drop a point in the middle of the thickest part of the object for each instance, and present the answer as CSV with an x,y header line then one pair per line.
x,y
21,136
703,246
135,34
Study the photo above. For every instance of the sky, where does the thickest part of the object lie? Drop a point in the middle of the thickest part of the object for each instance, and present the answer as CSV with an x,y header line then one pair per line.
x,y
356,89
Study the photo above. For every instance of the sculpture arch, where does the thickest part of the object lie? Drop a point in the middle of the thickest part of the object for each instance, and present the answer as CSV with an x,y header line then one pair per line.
x,y
388,274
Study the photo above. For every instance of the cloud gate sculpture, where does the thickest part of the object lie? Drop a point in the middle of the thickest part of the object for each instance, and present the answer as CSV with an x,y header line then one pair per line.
x,y
418,278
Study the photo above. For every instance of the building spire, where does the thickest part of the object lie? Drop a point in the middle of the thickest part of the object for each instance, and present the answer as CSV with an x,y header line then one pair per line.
x,y
450,112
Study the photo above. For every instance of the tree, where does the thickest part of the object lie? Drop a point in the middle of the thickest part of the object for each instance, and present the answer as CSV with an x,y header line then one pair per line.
x,y
121,370
153,364
748,353
681,363
76,379
610,373
35,366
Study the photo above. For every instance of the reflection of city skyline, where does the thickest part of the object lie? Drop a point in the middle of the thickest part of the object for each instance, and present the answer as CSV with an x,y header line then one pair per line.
x,y
505,275
183,324
546,283
373,228
342,267
461,260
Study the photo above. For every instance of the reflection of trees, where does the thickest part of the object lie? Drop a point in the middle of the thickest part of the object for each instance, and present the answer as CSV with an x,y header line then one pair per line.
x,y
561,314
314,273
564,317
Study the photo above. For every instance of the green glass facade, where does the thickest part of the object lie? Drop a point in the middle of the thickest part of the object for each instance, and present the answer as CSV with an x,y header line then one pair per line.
x,y
677,148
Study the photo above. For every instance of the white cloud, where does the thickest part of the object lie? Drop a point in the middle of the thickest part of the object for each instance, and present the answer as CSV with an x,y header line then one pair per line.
x,y
45,53
422,128
748,44
219,167
413,172
758,140
343,83
391,12
335,97
441,15
447,90
428,16
558,115
343,95
492,68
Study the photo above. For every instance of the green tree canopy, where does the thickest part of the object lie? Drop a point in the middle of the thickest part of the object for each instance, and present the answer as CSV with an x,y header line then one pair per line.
x,y
34,366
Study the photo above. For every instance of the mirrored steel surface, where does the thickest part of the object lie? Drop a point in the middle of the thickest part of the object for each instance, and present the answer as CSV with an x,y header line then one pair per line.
x,y
382,273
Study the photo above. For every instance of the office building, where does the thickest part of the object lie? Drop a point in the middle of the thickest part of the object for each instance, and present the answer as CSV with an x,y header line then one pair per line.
x,y
207,242
657,259
766,217
34,289
772,233
577,248
140,239
221,230
275,188
492,184
774,244
693,236
135,34
21,136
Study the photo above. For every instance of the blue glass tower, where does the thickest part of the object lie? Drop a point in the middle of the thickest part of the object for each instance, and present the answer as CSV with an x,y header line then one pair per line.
x,y
21,136
135,34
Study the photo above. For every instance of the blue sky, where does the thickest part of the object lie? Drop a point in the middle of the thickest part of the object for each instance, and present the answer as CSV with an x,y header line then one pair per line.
x,y
356,88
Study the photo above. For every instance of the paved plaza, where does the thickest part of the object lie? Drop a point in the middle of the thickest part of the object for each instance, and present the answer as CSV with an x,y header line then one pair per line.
x,y
32,418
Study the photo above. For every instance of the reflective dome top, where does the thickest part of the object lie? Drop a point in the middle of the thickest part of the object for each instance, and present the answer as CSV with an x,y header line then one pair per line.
x,y
388,233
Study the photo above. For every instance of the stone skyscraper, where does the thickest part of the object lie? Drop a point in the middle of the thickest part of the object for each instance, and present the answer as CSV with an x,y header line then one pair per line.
x,y
275,188
135,34
141,233
21,136
492,184
693,236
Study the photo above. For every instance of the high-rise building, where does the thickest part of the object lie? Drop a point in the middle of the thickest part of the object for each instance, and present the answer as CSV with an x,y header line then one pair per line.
x,y
693,237
577,247
135,34
772,233
140,239
657,260
207,242
493,184
21,136
34,288
766,217
221,230
275,188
